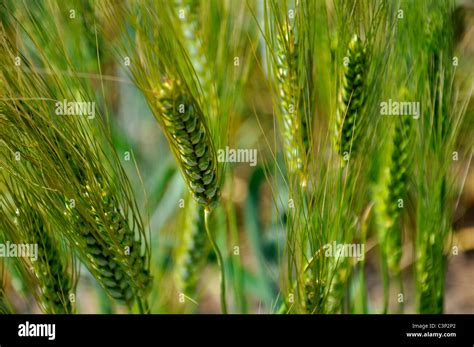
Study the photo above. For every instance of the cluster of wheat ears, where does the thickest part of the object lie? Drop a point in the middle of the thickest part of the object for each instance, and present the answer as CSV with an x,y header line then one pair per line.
x,y
302,82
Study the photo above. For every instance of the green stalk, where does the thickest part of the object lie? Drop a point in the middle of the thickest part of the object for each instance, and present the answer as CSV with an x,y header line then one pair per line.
x,y
237,271
220,260
385,281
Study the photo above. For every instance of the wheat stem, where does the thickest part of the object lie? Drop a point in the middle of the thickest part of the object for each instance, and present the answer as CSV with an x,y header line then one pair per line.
x,y
220,261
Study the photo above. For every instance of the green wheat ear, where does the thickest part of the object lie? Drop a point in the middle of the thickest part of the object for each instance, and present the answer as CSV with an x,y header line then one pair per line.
x,y
105,239
51,270
313,294
391,189
439,50
190,141
293,121
113,255
194,247
351,99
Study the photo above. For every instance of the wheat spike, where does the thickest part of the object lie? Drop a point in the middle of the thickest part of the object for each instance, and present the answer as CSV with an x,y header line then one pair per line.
x,y
434,216
194,248
190,140
391,191
351,98
439,51
23,223
113,255
294,127
105,240
76,161
51,270
397,189
313,294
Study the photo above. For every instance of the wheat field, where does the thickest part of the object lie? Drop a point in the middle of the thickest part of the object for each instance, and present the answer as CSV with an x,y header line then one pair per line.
x,y
227,156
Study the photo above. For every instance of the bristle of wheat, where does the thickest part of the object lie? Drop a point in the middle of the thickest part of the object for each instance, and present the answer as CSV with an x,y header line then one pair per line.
x,y
4,304
3,307
190,30
190,140
351,98
190,27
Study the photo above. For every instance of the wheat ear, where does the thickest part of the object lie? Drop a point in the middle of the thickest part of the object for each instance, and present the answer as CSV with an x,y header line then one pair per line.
x,y
194,248
294,127
313,294
391,193
51,270
112,253
439,51
106,240
351,99
100,230
190,141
